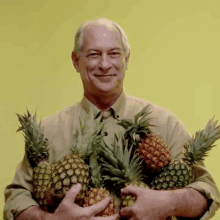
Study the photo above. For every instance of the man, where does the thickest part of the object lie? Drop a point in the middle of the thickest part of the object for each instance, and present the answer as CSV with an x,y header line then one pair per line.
x,y
101,56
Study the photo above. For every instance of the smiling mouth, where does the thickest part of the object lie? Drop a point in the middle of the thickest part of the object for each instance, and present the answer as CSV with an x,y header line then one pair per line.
x,y
103,75
105,78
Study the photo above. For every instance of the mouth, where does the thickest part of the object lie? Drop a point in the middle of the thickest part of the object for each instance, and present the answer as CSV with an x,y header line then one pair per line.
x,y
104,77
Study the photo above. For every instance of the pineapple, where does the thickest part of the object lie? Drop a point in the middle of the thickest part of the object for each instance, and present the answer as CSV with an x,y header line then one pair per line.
x,y
52,181
36,148
98,191
149,146
122,168
179,173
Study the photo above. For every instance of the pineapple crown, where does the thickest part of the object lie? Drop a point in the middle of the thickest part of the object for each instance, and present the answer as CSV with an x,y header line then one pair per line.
x,y
121,165
36,146
138,127
95,168
87,143
87,135
197,148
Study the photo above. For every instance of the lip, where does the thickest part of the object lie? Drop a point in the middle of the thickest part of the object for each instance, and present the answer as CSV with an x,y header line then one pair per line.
x,y
104,78
104,75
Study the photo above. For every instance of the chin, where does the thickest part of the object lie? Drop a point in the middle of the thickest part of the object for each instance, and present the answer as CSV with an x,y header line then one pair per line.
x,y
109,90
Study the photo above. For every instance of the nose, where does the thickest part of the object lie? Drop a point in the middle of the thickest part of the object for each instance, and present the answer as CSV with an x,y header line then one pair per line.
x,y
105,62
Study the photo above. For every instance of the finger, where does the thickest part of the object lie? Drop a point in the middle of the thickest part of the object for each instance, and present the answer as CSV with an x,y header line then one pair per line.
x,y
97,208
126,212
112,217
135,190
73,192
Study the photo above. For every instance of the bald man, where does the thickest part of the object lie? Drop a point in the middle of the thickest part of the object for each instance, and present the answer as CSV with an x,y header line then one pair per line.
x,y
101,55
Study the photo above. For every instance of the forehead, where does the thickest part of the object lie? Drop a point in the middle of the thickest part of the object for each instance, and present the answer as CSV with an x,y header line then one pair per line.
x,y
97,36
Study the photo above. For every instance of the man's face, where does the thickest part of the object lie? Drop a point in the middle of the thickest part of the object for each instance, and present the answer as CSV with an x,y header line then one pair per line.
x,y
102,61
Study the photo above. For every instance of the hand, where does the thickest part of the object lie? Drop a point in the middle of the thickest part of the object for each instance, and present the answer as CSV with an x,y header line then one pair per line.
x,y
68,210
150,204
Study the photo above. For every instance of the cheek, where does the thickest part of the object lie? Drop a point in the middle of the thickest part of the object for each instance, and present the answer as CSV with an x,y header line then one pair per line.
x,y
85,66
91,64
119,64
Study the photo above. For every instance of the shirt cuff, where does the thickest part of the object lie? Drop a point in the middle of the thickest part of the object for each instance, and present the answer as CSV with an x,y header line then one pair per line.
x,y
16,207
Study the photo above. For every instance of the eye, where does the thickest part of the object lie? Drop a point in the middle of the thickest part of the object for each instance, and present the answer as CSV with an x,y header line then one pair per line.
x,y
93,55
115,54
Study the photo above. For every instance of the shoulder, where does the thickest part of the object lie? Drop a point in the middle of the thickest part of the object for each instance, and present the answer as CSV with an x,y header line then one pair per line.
x,y
162,118
61,117
61,114
137,104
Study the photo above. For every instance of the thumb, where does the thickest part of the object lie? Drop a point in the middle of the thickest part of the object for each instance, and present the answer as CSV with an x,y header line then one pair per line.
x,y
73,192
131,190
111,217
126,212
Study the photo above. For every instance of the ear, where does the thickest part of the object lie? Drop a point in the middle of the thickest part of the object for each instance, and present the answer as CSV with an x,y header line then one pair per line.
x,y
127,60
75,60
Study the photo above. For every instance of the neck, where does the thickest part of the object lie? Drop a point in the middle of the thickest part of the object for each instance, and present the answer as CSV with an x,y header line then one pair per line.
x,y
103,101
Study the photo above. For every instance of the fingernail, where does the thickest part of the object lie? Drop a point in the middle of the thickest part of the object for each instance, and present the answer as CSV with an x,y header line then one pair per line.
x,y
78,185
109,197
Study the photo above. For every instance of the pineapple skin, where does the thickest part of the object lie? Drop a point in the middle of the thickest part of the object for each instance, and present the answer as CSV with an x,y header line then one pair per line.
x,y
128,199
69,171
176,175
42,174
95,195
52,181
154,152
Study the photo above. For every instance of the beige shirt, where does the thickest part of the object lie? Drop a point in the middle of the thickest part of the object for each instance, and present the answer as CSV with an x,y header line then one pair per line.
x,y
60,127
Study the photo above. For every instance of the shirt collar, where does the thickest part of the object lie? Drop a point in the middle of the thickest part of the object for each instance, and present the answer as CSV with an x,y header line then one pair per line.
x,y
117,107
88,106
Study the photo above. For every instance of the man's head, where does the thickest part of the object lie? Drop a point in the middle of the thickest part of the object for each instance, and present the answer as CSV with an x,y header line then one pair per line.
x,y
101,55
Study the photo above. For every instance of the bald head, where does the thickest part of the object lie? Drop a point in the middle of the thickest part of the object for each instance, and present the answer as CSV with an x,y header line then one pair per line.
x,y
93,25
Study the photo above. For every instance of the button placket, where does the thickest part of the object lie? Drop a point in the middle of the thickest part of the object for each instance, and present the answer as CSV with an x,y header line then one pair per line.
x,y
104,117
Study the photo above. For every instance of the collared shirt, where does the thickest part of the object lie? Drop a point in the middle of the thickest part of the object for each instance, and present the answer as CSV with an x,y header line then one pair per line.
x,y
60,128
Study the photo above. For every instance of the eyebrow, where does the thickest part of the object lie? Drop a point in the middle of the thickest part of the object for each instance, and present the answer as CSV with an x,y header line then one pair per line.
x,y
115,48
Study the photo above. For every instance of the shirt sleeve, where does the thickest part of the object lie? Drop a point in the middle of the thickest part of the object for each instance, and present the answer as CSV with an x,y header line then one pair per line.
x,y
18,195
176,137
205,184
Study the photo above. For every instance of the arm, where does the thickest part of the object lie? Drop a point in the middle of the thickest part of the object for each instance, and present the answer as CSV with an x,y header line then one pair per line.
x,y
18,195
153,204
187,202
33,213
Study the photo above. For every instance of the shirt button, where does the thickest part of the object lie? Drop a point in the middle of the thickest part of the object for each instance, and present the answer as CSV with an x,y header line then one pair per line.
x,y
117,116
105,133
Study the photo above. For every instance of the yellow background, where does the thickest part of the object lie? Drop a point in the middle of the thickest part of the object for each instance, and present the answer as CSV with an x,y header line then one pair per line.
x,y
175,62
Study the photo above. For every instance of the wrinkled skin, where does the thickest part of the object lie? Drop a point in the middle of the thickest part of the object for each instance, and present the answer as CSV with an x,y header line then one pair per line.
x,y
150,204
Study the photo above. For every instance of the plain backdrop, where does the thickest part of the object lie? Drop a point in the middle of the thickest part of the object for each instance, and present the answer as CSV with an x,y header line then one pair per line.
x,y
175,62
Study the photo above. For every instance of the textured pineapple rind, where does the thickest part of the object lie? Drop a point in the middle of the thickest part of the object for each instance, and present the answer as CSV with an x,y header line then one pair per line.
x,y
154,152
70,170
177,174
52,181
95,195
41,179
